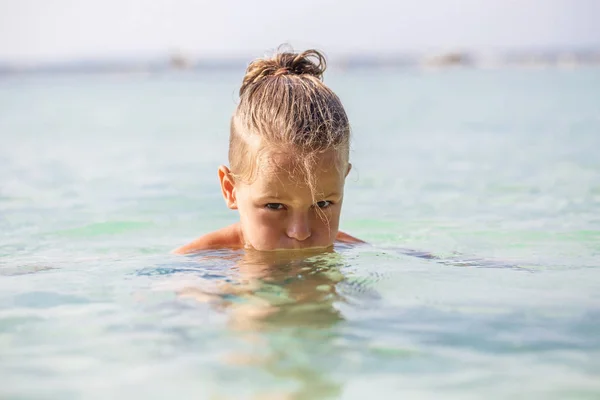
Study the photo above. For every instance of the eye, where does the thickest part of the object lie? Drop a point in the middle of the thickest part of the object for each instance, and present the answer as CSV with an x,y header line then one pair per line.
x,y
323,203
274,206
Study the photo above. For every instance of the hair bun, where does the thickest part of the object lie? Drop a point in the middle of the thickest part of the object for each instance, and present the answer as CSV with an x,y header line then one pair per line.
x,y
309,62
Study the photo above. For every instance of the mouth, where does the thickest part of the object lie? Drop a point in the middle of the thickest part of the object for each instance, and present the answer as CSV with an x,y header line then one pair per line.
x,y
298,250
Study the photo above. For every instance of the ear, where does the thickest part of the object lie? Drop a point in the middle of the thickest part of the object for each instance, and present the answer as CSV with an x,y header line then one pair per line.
x,y
227,187
348,171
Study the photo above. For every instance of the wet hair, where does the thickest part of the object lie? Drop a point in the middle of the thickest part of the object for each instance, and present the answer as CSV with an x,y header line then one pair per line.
x,y
285,107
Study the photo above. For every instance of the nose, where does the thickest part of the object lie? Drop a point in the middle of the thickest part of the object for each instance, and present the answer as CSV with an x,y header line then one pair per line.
x,y
299,227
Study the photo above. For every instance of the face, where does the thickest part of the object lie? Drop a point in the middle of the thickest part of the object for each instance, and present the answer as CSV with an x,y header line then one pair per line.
x,y
278,211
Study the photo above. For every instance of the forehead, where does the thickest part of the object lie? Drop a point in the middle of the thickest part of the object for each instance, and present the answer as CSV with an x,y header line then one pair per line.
x,y
283,172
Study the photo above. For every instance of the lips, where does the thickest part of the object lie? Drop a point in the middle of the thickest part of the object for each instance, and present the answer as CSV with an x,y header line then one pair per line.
x,y
295,246
302,246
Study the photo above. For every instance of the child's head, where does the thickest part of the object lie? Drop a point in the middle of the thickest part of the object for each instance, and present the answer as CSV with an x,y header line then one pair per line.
x,y
288,154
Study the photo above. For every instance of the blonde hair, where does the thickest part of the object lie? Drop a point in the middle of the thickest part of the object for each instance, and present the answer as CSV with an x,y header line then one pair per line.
x,y
285,105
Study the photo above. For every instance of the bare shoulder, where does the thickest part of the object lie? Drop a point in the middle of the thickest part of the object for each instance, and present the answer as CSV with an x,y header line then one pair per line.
x,y
228,237
345,238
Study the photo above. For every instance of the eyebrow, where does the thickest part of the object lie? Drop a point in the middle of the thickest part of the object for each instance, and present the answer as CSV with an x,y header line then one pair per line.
x,y
273,197
285,198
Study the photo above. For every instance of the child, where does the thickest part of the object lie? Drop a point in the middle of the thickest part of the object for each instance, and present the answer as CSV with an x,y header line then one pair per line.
x,y
288,155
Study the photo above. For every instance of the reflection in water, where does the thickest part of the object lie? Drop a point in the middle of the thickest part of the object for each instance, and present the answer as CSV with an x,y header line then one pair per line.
x,y
284,307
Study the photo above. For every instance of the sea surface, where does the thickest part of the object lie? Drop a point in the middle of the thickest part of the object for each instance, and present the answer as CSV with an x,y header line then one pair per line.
x,y
478,192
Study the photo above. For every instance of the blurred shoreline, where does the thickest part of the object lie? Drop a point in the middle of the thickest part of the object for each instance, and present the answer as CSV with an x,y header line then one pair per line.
x,y
456,59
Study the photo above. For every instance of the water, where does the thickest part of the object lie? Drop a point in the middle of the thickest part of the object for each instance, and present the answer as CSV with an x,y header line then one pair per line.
x,y
478,191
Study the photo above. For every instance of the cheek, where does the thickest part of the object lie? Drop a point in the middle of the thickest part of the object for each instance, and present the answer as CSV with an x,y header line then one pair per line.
x,y
262,218
325,229
262,229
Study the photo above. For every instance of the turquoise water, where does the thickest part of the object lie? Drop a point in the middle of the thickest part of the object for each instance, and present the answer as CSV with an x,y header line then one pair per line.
x,y
478,191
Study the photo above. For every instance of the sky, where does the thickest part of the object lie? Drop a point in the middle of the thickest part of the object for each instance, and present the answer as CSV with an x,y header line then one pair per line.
x,y
59,30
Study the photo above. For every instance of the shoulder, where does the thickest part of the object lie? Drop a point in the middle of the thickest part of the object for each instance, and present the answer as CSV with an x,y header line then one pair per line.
x,y
228,237
345,238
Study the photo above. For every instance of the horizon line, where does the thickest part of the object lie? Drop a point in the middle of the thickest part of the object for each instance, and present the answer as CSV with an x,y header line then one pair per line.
x,y
156,56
